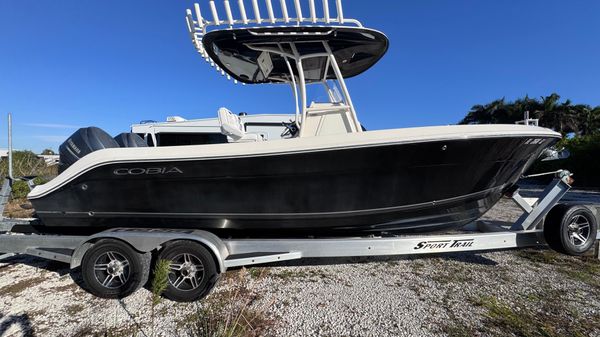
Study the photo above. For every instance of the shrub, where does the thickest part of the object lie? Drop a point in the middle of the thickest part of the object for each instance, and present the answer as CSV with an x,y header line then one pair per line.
x,y
20,189
27,164
584,161
160,282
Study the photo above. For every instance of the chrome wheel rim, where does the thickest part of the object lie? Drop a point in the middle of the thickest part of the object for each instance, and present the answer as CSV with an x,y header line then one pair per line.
x,y
111,270
579,230
186,272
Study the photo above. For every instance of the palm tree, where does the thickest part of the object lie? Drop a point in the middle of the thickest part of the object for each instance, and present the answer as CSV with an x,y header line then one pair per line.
x,y
491,113
563,117
590,119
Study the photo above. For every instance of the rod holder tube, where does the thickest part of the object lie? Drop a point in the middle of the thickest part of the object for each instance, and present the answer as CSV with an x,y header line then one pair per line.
x,y
270,11
228,12
313,12
340,11
256,11
215,15
298,11
326,11
243,11
190,23
284,11
199,15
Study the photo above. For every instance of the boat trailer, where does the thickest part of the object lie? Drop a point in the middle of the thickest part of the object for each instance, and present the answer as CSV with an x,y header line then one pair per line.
x,y
219,254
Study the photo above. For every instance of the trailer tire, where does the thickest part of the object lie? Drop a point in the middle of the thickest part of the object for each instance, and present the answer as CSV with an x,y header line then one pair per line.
x,y
570,229
188,261
113,269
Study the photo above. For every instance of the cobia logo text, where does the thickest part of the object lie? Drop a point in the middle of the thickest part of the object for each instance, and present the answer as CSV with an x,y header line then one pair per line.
x,y
136,171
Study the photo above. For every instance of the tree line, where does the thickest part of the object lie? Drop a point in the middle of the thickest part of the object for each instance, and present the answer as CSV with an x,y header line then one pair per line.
x,y
581,122
564,117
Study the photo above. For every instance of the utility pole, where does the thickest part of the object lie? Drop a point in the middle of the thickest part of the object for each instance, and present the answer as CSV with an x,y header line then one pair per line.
x,y
10,149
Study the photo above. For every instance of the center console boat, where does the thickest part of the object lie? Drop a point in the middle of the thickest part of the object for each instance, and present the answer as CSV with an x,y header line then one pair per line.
x,y
325,175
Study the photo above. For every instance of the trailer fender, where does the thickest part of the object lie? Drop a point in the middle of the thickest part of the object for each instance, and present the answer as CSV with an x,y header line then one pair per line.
x,y
148,240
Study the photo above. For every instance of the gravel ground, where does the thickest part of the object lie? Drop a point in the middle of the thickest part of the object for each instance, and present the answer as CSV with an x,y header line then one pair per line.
x,y
531,292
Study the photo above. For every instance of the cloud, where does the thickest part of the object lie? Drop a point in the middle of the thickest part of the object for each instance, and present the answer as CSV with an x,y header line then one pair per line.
x,y
51,138
52,126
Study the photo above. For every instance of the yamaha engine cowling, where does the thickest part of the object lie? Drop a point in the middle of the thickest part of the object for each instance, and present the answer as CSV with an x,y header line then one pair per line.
x,y
127,139
83,142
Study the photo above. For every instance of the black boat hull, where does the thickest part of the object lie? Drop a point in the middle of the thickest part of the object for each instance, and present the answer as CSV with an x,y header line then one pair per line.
x,y
414,187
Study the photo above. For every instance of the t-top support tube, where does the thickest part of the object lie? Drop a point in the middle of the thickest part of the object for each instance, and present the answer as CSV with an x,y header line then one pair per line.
x,y
294,89
340,77
301,84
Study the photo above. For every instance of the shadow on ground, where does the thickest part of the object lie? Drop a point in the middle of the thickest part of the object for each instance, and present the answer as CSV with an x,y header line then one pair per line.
x,y
22,321
469,258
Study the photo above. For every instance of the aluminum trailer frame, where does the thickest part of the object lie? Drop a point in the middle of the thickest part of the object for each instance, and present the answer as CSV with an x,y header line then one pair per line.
x,y
228,253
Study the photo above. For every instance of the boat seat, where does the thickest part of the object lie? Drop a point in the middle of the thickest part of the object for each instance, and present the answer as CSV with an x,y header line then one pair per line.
x,y
232,127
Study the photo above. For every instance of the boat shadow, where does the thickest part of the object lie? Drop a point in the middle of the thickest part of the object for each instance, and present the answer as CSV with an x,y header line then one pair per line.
x,y
60,268
23,322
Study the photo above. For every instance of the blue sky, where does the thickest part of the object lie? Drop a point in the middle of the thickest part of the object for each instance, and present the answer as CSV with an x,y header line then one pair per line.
x,y
65,64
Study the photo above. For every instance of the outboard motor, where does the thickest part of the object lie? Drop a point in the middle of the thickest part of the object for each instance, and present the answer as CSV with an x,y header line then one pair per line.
x,y
83,142
127,139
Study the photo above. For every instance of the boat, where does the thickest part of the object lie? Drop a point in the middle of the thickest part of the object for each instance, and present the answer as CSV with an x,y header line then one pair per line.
x,y
325,176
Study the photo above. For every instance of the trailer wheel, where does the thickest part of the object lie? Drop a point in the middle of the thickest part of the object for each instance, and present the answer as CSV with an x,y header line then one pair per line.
x,y
113,269
570,229
193,272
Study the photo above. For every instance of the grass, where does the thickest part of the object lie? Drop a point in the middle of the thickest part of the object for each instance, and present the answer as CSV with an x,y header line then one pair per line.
x,y
230,312
454,327
258,273
74,309
18,208
88,331
542,311
506,318
551,317
584,269
458,329
15,288
311,275
160,280
451,273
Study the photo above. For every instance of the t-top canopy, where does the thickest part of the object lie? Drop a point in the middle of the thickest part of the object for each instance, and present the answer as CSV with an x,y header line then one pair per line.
x,y
256,55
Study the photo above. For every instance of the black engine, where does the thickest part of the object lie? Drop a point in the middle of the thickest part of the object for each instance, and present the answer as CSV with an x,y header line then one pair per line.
x,y
87,140
127,139
83,142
